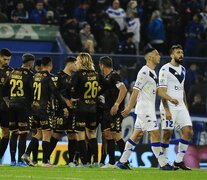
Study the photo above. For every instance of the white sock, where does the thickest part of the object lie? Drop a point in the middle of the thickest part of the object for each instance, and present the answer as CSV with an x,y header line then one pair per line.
x,y
182,148
157,150
165,149
129,147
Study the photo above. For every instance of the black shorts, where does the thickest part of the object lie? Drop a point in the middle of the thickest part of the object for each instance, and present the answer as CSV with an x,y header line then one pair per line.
x,y
60,123
43,120
105,123
114,121
71,122
4,118
19,117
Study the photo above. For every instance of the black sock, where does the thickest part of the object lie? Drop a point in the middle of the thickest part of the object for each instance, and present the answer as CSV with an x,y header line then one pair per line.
x,y
103,152
82,151
111,151
72,146
94,149
53,143
3,146
89,153
21,145
46,151
13,146
35,149
31,146
121,145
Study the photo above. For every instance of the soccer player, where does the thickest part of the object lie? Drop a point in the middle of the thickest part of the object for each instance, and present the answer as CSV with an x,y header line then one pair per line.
x,y
171,80
84,93
5,70
63,124
45,92
20,88
144,92
114,104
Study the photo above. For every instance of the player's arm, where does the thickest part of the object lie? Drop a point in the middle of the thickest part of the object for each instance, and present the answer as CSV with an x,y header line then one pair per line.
x,y
122,93
162,92
131,103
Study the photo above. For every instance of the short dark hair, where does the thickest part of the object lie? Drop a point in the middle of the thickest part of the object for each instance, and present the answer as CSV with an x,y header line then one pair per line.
x,y
106,61
69,59
38,62
27,57
177,46
149,50
46,60
5,52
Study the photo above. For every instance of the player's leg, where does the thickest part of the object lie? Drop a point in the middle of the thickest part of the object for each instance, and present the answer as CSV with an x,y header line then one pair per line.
x,y
55,137
46,136
82,146
72,148
185,124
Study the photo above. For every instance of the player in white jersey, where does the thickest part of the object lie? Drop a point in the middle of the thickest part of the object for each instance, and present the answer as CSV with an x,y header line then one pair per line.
x,y
144,92
171,80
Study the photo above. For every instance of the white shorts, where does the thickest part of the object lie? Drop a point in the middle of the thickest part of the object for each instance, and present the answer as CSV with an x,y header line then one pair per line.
x,y
180,118
146,122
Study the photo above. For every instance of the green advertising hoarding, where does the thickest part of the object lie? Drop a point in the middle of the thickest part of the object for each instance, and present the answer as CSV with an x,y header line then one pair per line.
x,y
34,32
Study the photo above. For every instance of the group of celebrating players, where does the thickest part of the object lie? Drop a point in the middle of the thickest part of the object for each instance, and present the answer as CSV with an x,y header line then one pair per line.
x,y
78,98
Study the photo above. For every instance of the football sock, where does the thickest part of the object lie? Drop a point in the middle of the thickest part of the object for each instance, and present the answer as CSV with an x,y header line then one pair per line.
x,y
129,147
21,145
182,148
82,151
94,149
3,146
165,148
121,145
72,147
13,146
157,150
53,143
46,151
111,151
31,146
35,149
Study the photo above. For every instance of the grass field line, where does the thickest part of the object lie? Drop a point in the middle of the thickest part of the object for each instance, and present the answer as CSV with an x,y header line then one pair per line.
x,y
38,177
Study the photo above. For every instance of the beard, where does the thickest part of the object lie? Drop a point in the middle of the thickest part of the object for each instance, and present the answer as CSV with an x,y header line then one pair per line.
x,y
179,61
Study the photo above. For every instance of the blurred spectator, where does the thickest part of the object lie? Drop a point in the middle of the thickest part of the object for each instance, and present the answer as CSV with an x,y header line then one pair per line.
x,y
202,45
117,13
192,33
89,47
131,7
197,106
50,18
19,15
38,14
204,17
134,26
200,87
156,31
3,17
85,34
109,42
127,46
81,13
71,36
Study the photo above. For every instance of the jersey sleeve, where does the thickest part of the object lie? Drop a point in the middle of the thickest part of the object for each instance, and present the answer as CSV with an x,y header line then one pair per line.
x,y
141,80
163,77
117,80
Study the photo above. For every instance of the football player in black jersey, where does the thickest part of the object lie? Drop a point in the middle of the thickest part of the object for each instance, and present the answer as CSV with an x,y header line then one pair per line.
x,y
85,87
113,106
19,86
5,70
45,92
63,124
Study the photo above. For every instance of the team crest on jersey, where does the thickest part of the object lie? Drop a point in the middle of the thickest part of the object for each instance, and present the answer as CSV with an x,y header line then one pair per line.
x,y
7,73
2,80
44,74
162,75
25,72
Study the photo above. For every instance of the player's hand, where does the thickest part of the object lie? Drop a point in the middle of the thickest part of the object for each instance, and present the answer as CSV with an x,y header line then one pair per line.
x,y
174,101
66,113
114,109
125,112
69,103
168,114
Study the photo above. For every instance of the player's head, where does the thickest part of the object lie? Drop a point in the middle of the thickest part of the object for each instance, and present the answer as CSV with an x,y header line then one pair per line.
x,y
28,60
105,62
46,63
176,53
70,63
152,56
38,65
84,61
5,57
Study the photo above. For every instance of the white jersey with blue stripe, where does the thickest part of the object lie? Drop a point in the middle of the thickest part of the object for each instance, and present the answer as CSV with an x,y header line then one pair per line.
x,y
146,83
173,77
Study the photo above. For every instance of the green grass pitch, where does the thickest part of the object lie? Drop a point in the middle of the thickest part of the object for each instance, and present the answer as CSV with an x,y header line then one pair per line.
x,y
66,173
